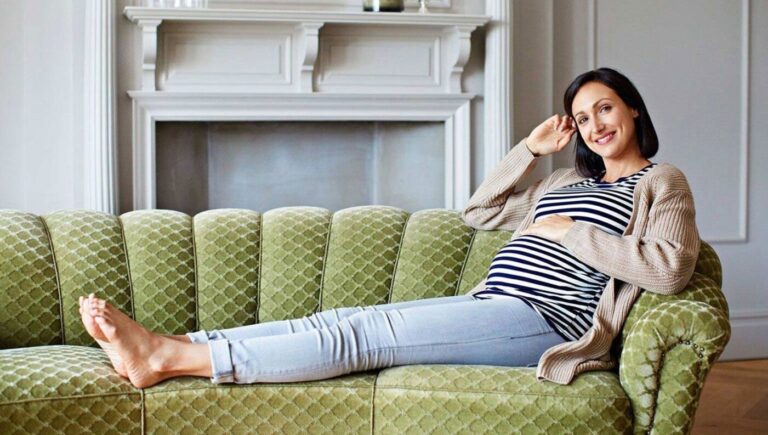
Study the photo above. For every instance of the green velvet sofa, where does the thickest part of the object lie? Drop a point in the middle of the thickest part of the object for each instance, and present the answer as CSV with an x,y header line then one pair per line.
x,y
222,268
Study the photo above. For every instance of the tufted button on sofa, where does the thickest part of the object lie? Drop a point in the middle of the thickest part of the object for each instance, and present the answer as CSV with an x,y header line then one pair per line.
x,y
229,267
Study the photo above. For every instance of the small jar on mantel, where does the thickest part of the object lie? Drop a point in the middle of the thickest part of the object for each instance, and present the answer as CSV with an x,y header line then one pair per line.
x,y
383,5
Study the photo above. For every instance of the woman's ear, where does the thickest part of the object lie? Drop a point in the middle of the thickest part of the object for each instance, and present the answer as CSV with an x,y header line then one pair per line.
x,y
635,113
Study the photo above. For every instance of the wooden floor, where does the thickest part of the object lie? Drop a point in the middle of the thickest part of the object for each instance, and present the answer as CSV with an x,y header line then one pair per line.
x,y
734,399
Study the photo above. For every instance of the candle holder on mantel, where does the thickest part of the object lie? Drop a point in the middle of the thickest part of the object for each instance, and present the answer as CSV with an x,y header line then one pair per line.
x,y
423,7
383,5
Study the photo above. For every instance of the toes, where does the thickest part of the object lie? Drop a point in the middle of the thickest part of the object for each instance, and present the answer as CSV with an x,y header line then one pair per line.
x,y
95,309
106,327
99,303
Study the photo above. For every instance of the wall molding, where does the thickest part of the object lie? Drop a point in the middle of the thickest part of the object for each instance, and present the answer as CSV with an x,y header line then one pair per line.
x,y
592,33
100,122
745,122
749,315
749,335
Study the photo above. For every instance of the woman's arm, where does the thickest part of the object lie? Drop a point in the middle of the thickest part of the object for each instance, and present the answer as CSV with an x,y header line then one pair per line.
x,y
661,261
496,204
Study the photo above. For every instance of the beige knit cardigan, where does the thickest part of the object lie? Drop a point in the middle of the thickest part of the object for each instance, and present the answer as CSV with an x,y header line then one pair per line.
x,y
657,252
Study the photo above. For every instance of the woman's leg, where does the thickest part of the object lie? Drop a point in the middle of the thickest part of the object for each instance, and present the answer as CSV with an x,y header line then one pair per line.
x,y
494,331
323,319
504,332
148,352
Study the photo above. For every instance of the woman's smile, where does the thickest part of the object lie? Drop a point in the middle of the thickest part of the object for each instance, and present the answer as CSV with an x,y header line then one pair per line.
x,y
602,140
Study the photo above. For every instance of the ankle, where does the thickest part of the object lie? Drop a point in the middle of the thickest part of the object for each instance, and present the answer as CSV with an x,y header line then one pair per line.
x,y
162,356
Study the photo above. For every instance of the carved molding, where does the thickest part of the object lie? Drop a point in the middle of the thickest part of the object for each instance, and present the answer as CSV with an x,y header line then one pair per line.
x,y
227,56
461,46
388,30
309,37
360,59
149,52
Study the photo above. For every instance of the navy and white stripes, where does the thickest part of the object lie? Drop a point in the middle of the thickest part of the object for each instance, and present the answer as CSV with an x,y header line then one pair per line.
x,y
544,274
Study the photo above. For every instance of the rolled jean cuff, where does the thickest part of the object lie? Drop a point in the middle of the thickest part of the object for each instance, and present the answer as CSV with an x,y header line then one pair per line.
x,y
198,337
221,362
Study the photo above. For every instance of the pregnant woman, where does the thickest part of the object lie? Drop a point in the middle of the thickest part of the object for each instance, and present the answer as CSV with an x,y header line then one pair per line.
x,y
587,240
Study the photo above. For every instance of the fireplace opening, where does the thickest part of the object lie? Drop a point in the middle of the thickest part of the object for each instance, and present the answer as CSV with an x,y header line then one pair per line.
x,y
263,165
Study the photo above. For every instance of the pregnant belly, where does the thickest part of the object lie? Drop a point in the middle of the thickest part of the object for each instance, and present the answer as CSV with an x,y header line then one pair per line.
x,y
531,252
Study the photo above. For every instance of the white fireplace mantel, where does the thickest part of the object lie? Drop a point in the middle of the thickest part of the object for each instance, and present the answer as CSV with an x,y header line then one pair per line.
x,y
153,105
307,82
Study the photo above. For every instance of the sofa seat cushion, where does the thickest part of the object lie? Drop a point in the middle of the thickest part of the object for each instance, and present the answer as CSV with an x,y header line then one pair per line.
x,y
195,405
65,389
486,399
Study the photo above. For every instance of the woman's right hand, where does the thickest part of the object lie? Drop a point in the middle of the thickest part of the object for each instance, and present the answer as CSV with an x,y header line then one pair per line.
x,y
551,136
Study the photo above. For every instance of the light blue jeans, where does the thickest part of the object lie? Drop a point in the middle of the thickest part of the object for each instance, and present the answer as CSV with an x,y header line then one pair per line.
x,y
444,330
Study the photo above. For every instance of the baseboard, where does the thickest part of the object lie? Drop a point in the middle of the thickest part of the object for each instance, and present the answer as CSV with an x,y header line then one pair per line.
x,y
749,336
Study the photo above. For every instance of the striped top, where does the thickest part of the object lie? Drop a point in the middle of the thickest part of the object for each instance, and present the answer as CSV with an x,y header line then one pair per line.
x,y
546,275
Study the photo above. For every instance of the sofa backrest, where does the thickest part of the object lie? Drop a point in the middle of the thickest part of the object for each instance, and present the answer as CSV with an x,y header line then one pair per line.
x,y
229,267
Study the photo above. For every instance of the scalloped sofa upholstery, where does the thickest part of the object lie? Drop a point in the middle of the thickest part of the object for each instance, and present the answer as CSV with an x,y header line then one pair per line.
x,y
228,267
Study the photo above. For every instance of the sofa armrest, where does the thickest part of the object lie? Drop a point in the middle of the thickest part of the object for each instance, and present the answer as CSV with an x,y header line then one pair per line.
x,y
665,360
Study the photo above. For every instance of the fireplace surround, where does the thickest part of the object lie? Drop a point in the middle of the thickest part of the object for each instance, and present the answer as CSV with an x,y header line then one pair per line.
x,y
208,64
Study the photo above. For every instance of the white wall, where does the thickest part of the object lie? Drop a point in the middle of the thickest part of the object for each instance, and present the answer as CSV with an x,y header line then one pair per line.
x,y
41,64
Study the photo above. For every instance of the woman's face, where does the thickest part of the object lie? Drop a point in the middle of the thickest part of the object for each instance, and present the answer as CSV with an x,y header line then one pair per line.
x,y
606,124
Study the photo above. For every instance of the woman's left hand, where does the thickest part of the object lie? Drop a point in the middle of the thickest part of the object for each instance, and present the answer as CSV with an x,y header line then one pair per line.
x,y
552,227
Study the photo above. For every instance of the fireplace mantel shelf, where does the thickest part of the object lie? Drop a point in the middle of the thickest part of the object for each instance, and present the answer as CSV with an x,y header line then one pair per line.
x,y
138,14
259,106
177,95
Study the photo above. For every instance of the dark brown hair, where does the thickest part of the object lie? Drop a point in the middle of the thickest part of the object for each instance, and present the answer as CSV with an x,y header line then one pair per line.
x,y
588,163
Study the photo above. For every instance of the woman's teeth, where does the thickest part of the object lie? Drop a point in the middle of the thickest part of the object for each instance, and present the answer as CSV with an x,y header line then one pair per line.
x,y
605,139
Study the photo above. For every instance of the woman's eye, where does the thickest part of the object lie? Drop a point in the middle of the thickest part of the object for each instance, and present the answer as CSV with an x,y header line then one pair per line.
x,y
605,107
581,121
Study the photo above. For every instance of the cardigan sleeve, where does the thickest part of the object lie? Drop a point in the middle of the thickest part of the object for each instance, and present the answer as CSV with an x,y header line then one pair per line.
x,y
497,204
661,261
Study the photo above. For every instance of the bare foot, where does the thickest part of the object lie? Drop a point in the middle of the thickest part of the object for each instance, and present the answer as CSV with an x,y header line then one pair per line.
x,y
95,331
145,356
